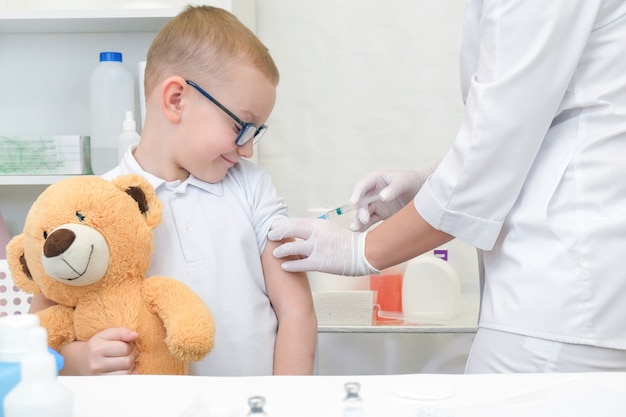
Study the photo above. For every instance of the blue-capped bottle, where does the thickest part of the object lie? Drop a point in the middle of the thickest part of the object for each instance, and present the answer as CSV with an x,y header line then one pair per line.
x,y
15,343
39,392
111,95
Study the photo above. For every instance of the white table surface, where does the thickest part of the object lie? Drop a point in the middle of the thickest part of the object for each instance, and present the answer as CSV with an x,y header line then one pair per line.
x,y
536,395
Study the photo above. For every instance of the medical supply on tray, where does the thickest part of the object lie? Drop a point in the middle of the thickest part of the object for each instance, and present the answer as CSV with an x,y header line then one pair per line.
x,y
344,308
346,208
45,155
352,402
431,291
388,288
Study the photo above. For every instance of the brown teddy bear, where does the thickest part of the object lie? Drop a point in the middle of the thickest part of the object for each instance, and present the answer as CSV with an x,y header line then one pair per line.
x,y
86,245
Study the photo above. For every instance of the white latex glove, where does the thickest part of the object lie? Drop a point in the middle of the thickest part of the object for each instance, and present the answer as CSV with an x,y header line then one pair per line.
x,y
396,189
324,246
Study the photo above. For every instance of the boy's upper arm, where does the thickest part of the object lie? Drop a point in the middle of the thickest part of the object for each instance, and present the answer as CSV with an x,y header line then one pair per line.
x,y
287,290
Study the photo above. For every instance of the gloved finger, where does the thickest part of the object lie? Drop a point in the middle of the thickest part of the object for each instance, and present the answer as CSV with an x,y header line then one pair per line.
x,y
290,228
388,193
300,265
370,184
358,225
301,248
363,214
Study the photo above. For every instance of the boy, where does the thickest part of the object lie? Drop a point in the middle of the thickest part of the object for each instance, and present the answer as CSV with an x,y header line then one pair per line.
x,y
210,85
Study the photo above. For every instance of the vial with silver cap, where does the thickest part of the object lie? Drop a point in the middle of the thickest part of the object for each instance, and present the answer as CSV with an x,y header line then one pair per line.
x,y
352,402
256,405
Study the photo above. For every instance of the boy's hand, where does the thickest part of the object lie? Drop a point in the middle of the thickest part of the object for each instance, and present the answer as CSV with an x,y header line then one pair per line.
x,y
110,352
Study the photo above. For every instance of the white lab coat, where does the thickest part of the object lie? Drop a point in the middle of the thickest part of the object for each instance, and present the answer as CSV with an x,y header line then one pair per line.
x,y
537,174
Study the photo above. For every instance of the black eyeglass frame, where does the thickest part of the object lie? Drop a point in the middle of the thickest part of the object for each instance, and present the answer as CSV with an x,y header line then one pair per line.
x,y
244,136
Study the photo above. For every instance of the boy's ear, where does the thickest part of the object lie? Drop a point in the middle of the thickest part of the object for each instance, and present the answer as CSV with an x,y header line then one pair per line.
x,y
171,98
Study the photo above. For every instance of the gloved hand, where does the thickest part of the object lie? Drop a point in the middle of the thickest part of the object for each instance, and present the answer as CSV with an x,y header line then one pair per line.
x,y
324,246
396,189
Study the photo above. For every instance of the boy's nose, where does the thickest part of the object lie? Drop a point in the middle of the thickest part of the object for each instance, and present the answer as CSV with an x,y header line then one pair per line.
x,y
247,150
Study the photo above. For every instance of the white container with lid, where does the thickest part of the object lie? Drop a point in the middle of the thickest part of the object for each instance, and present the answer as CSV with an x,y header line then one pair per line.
x,y
111,95
431,291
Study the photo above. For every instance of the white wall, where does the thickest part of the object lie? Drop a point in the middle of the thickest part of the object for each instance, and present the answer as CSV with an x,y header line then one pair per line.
x,y
365,84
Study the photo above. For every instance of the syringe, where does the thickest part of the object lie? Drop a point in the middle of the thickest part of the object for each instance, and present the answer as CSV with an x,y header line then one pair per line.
x,y
346,208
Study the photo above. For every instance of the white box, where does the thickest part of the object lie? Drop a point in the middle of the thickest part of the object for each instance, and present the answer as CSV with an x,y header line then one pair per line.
x,y
45,155
344,308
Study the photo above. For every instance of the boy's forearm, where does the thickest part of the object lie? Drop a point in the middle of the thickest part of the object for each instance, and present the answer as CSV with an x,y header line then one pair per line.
x,y
296,341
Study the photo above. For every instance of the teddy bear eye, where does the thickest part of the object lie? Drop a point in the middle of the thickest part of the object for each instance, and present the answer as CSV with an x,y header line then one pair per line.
x,y
80,217
45,234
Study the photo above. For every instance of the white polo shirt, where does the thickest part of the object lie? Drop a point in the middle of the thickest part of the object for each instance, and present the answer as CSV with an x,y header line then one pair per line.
x,y
211,238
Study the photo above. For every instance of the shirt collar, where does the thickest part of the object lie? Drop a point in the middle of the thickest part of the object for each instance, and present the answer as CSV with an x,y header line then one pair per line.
x,y
129,165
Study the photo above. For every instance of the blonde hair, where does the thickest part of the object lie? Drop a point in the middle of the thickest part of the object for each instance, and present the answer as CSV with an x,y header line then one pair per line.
x,y
202,42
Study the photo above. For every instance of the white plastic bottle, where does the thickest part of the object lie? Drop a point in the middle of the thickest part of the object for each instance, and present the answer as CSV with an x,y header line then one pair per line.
x,y
111,95
431,291
14,343
39,392
128,137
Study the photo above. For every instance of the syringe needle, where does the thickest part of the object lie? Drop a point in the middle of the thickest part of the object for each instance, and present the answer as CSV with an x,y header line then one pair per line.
x,y
346,208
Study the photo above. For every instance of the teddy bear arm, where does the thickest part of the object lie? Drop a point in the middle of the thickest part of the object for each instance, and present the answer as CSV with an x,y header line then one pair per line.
x,y
188,322
58,320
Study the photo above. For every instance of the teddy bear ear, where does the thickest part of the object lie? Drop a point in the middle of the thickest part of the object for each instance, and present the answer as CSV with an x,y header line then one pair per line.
x,y
19,268
140,190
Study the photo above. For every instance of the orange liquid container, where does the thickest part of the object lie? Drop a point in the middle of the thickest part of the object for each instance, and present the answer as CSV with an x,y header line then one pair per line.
x,y
388,286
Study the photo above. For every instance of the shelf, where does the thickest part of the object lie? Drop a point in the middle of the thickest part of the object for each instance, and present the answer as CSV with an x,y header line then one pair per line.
x,y
465,322
31,179
407,328
80,21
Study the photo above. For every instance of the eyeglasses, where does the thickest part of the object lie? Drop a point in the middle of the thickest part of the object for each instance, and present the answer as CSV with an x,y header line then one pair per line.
x,y
247,132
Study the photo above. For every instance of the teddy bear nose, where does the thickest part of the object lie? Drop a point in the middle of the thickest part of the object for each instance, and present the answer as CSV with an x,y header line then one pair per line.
x,y
58,242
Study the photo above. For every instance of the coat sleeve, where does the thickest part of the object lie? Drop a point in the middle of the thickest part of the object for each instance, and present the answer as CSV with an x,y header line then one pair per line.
x,y
525,54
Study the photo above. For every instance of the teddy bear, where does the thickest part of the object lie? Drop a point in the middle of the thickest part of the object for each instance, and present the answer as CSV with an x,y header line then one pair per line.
x,y
86,245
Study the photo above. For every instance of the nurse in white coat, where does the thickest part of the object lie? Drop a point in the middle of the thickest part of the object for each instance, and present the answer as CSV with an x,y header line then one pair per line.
x,y
536,180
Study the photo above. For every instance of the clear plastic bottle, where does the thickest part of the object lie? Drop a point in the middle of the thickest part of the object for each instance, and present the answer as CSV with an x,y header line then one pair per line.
x,y
128,137
352,402
39,392
111,95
